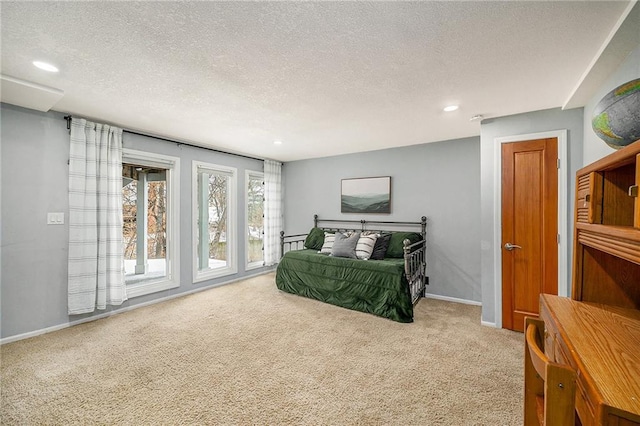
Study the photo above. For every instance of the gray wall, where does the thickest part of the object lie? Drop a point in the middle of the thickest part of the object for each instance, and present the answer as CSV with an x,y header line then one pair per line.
x,y
438,180
34,154
532,122
594,147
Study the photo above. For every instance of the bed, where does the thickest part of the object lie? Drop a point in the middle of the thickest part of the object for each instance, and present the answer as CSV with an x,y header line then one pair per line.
x,y
389,287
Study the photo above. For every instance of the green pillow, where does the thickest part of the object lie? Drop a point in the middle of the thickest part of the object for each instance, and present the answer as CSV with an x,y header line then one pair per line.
x,y
396,247
315,239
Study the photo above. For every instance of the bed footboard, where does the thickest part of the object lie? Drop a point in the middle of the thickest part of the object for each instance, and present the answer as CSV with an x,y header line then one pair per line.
x,y
415,268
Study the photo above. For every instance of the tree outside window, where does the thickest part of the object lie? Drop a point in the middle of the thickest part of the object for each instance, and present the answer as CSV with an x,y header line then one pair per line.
x,y
214,189
144,211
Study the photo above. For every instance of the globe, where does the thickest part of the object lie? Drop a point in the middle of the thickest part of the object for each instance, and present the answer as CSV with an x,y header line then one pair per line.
x,y
616,118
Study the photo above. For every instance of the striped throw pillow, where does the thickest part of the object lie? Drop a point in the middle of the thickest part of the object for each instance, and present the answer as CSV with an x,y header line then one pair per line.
x,y
328,243
365,245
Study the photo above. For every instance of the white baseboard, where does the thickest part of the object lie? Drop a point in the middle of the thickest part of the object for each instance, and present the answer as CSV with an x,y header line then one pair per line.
x,y
453,299
466,302
122,310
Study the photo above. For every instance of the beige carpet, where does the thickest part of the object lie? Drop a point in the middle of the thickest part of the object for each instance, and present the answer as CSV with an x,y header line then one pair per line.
x,y
248,354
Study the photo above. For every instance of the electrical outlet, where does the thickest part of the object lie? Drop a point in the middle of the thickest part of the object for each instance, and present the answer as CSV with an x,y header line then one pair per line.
x,y
56,218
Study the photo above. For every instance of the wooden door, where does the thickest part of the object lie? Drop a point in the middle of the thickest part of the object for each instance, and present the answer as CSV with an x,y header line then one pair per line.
x,y
529,227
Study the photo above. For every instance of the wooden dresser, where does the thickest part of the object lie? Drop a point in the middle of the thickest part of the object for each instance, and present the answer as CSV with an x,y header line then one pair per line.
x,y
597,331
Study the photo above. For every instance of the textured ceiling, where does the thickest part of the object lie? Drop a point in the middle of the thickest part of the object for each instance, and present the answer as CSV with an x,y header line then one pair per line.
x,y
326,78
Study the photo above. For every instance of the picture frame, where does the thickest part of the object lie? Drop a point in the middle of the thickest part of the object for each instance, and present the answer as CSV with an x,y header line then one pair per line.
x,y
366,195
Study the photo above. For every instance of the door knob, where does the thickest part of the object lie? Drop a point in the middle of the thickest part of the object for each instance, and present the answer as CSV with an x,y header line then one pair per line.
x,y
510,246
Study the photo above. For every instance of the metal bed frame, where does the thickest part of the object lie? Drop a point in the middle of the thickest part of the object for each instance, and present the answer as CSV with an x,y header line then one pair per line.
x,y
415,255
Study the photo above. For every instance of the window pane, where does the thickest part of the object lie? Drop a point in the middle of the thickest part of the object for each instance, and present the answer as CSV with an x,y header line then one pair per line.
x,y
129,198
255,219
157,221
213,190
144,198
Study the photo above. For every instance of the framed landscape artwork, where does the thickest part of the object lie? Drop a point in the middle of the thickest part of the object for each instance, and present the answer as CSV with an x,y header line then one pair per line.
x,y
366,195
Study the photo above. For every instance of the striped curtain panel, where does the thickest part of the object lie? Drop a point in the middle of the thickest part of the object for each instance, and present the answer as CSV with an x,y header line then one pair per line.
x,y
96,259
273,222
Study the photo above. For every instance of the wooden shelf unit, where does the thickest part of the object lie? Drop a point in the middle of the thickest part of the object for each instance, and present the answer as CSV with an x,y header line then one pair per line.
x,y
606,267
597,331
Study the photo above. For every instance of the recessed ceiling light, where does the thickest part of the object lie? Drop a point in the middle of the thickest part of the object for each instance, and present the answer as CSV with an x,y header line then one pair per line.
x,y
45,66
277,142
451,108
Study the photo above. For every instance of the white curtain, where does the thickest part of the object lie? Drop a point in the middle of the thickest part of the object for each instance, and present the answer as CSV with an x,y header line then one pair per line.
x,y
96,259
273,222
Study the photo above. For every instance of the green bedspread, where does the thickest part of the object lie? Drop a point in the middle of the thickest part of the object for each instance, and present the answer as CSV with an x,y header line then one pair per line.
x,y
378,287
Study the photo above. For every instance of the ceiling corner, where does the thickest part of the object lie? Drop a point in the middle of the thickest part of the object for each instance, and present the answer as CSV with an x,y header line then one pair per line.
x,y
27,94
622,40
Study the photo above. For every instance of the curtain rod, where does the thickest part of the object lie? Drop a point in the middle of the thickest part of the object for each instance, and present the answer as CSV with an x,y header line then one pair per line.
x,y
68,119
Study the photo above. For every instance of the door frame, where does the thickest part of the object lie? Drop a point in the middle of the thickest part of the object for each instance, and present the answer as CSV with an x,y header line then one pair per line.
x,y
563,246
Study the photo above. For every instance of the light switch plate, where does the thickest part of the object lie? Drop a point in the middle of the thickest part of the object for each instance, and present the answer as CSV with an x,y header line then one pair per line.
x,y
55,218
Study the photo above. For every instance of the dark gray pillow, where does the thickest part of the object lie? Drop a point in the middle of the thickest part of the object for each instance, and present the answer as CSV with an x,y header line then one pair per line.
x,y
380,249
345,246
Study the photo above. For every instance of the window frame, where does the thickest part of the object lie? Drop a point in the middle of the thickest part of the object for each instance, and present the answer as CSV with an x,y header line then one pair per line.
x,y
172,165
251,265
232,235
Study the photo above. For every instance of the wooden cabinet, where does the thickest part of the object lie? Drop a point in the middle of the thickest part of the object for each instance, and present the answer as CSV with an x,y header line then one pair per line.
x,y
607,230
597,331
